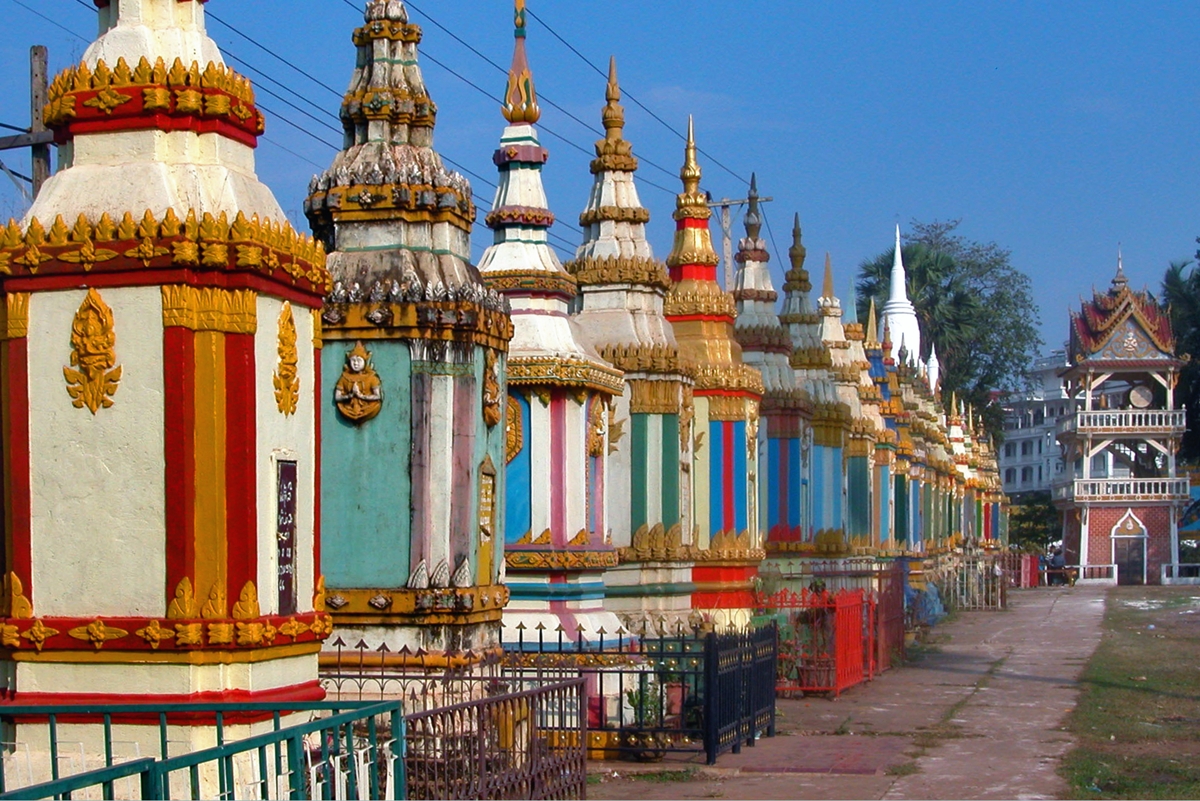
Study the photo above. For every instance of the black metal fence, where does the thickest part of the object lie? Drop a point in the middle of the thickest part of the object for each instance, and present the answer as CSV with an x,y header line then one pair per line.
x,y
524,744
690,691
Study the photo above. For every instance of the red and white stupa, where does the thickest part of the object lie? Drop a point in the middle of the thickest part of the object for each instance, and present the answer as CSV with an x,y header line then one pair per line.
x,y
159,383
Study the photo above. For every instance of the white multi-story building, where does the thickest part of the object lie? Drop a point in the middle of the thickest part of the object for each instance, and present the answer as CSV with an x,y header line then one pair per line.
x,y
1030,458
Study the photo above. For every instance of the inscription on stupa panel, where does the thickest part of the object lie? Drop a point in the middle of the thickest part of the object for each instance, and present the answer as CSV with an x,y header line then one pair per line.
x,y
286,538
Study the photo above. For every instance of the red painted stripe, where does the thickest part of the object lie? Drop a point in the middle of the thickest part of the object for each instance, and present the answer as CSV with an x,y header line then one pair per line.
x,y
316,473
695,272
727,478
300,293
179,405
159,122
241,485
296,693
17,447
558,464
690,222
713,318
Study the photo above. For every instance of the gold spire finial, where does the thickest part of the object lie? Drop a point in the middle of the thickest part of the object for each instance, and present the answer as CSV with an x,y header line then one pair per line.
x,y
827,286
797,252
872,325
520,98
614,114
692,203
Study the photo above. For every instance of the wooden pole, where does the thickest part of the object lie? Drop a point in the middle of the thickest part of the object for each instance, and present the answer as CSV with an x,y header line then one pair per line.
x,y
38,97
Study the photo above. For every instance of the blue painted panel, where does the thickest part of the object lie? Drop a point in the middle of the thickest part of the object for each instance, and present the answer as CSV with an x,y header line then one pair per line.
x,y
741,484
819,488
366,491
885,497
795,476
773,479
518,515
838,479
716,477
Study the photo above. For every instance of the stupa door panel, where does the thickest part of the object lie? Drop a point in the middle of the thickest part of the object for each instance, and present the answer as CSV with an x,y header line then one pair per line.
x,y
1129,555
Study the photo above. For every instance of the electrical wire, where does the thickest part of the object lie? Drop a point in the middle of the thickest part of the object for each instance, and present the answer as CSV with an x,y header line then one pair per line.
x,y
13,128
631,97
52,22
271,53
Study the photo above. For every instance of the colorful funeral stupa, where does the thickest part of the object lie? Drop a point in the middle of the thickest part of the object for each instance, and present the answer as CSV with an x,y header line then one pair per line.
x,y
1122,526
622,287
898,313
560,394
160,385
726,414
412,440
786,412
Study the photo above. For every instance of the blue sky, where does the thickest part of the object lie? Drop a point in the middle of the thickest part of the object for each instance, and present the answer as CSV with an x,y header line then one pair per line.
x,y
1056,129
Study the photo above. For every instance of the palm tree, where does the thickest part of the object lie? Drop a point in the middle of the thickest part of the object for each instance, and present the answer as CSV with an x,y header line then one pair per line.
x,y
1181,299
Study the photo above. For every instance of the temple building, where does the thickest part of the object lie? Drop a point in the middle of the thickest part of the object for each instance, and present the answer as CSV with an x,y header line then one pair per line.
x,y
160,382
559,396
1122,530
785,410
620,310
726,411
413,370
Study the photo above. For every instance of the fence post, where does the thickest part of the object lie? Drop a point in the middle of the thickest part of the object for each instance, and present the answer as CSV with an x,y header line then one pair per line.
x,y
296,777
711,724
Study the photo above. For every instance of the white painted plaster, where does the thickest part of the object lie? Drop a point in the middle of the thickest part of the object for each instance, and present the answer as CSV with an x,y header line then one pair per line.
x,y
97,481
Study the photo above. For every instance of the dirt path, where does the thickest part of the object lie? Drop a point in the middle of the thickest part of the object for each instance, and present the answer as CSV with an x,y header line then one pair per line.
x,y
979,715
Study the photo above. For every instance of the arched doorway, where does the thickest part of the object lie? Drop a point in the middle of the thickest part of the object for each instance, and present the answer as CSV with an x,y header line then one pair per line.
x,y
1129,549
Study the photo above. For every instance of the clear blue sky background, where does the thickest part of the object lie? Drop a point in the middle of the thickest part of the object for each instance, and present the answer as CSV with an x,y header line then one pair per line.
x,y
1056,129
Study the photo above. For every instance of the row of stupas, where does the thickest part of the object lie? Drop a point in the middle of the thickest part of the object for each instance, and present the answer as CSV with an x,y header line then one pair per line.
x,y
222,444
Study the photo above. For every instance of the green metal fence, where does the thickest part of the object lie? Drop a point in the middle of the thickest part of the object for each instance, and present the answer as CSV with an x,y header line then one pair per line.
x,y
355,750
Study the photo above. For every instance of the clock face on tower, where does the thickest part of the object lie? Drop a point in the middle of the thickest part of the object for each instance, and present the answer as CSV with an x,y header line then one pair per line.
x,y
1141,396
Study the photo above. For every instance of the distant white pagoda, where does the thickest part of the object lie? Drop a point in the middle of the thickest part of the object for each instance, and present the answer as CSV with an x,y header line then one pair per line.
x,y
898,313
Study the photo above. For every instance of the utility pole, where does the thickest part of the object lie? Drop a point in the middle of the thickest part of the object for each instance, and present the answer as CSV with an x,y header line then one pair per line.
x,y
36,137
725,204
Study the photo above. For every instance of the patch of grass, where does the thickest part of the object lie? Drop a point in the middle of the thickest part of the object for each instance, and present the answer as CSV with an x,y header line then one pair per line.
x,y
685,775
594,778
904,769
1136,720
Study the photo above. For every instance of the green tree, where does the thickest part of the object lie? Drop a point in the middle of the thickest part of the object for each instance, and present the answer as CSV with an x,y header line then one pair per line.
x,y
1181,297
1033,522
973,304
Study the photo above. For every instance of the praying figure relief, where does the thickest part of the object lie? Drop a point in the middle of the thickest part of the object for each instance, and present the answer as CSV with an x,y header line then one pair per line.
x,y
358,393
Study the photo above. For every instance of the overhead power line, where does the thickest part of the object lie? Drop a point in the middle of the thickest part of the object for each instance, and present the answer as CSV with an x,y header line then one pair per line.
x,y
63,28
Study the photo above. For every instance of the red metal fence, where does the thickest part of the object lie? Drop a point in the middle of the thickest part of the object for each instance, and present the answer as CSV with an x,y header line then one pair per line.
x,y
831,641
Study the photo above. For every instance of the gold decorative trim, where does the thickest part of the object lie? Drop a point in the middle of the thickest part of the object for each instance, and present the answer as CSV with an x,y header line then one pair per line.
x,y
531,281
93,340
38,633
210,309
655,397
287,374
15,309
626,214
432,606
97,633
154,634
709,301
203,241
570,372
183,605
16,605
560,560
636,358
636,270
246,607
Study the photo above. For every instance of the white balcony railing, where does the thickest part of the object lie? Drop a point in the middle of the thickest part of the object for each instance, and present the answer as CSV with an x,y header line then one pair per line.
x,y
1123,489
1125,421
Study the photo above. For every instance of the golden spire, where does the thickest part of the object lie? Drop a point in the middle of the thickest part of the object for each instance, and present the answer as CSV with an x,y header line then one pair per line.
x,y
520,99
827,287
693,243
797,252
872,326
692,203
614,114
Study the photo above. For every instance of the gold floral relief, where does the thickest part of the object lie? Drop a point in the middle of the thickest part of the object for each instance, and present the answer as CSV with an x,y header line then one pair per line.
x,y
287,372
92,377
491,388
359,392
514,433
596,423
